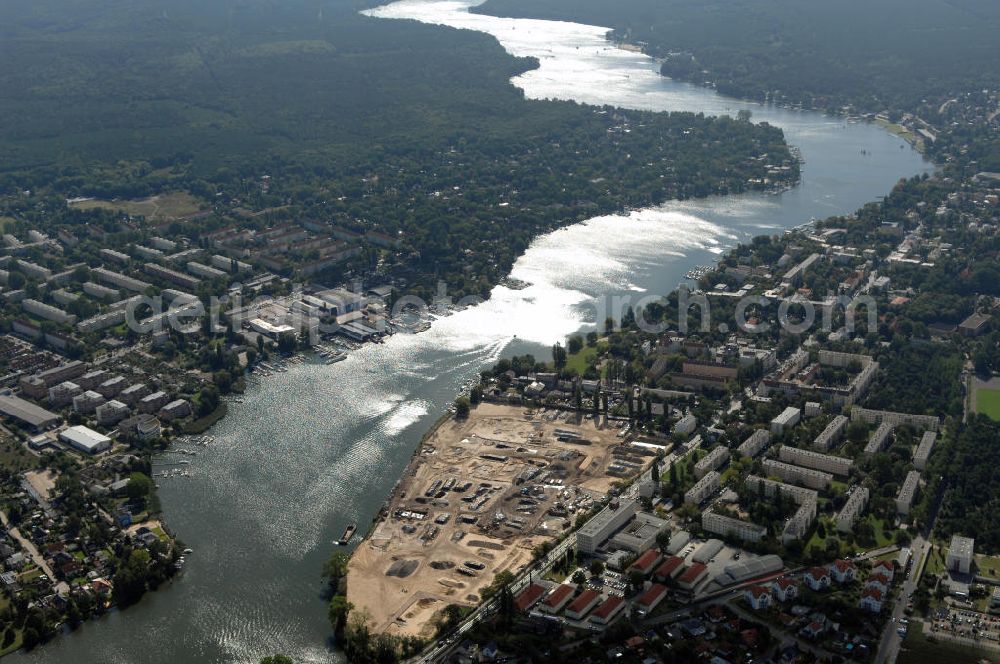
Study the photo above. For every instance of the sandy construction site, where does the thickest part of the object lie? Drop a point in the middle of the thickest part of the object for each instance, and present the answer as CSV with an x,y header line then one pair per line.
x,y
477,498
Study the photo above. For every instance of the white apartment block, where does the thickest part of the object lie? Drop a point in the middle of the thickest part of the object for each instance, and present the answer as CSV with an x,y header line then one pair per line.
x,y
703,488
730,527
755,444
924,449
853,509
787,419
833,432
712,461
825,462
904,500
922,422
814,479
879,439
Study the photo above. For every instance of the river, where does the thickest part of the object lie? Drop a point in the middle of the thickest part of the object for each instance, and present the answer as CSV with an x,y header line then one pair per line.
x,y
319,446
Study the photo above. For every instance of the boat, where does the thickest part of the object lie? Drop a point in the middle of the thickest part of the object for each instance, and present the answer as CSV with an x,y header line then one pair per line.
x,y
348,534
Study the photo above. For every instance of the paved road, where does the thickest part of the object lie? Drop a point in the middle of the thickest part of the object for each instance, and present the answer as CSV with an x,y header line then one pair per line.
x,y
28,546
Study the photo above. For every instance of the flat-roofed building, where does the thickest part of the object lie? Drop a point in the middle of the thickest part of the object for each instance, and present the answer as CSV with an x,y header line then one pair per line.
x,y
599,528
907,493
920,422
832,434
703,488
133,393
116,256
63,393
27,413
853,509
879,439
809,459
176,410
729,527
787,419
641,533
205,271
814,479
961,554
85,440
87,402
172,276
924,449
102,321
151,403
712,461
112,387
111,413
120,280
755,444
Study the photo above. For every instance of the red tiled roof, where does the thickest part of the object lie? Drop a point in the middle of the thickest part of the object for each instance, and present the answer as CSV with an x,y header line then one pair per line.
x,y
608,606
818,573
585,599
785,582
843,565
527,597
885,564
655,591
692,573
646,560
758,591
874,593
558,595
669,566
879,576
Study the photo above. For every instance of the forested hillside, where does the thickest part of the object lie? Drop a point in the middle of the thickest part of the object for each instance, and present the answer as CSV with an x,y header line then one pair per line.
x,y
376,125
886,54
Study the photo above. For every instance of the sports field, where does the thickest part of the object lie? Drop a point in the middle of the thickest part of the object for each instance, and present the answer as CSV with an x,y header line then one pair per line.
x,y
986,397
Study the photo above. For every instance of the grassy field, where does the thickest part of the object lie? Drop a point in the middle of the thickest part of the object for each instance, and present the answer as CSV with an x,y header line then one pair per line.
x,y
917,649
988,403
580,361
163,207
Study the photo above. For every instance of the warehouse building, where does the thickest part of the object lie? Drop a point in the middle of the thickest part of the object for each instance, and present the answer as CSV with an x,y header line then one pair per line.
x,y
85,440
27,413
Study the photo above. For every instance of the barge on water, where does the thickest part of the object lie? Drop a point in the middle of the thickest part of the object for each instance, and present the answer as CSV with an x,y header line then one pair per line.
x,y
348,534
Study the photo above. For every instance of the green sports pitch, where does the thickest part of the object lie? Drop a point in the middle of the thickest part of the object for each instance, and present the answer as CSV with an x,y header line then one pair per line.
x,y
988,403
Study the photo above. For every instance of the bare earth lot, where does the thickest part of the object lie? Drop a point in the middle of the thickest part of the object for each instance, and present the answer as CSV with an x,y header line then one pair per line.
x,y
162,207
476,499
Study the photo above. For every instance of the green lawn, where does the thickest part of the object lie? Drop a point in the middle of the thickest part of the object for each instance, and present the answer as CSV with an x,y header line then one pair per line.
x,y
918,649
580,361
988,403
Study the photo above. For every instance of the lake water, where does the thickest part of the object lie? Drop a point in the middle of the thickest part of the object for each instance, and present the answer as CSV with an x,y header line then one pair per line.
x,y
313,449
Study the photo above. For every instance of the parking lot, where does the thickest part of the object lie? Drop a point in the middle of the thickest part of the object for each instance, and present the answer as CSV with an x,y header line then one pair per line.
x,y
967,624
